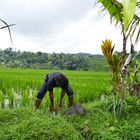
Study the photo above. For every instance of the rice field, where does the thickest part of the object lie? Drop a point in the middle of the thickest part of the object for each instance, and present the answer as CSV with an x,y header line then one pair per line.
x,y
18,87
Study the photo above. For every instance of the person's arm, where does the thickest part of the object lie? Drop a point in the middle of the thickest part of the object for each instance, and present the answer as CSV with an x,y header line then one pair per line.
x,y
52,101
69,92
71,100
61,97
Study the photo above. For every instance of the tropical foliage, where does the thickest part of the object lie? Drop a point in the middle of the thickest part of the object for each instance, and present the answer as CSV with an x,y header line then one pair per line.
x,y
114,62
129,21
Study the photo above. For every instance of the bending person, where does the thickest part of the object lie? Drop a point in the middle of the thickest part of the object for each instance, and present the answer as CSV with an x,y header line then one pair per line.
x,y
55,79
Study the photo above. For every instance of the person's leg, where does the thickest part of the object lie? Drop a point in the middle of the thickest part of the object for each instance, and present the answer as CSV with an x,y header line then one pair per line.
x,y
40,95
52,101
61,98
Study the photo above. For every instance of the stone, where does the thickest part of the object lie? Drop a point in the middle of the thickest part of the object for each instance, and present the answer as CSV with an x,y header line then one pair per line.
x,y
75,110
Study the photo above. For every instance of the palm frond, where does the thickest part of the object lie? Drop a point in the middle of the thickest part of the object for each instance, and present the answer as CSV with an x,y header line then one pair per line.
x,y
138,36
116,16
7,26
138,4
134,28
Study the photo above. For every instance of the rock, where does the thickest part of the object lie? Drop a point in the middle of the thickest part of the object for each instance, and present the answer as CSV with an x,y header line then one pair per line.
x,y
75,110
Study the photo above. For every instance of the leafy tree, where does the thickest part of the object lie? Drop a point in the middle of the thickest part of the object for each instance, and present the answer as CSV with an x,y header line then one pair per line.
x,y
80,61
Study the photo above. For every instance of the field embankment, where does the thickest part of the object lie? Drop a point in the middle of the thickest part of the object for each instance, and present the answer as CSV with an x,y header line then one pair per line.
x,y
97,124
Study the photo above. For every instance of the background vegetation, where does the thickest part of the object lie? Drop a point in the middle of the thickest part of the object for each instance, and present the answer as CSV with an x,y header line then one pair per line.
x,y
57,61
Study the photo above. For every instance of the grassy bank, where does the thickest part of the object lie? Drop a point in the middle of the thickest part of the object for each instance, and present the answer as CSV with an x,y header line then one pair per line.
x,y
98,123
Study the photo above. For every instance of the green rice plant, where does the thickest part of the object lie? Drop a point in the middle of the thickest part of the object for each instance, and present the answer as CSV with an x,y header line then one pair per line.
x,y
17,100
2,97
10,97
87,86
25,99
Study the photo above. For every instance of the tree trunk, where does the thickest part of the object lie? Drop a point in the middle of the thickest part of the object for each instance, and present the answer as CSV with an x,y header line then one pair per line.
x,y
123,70
124,45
